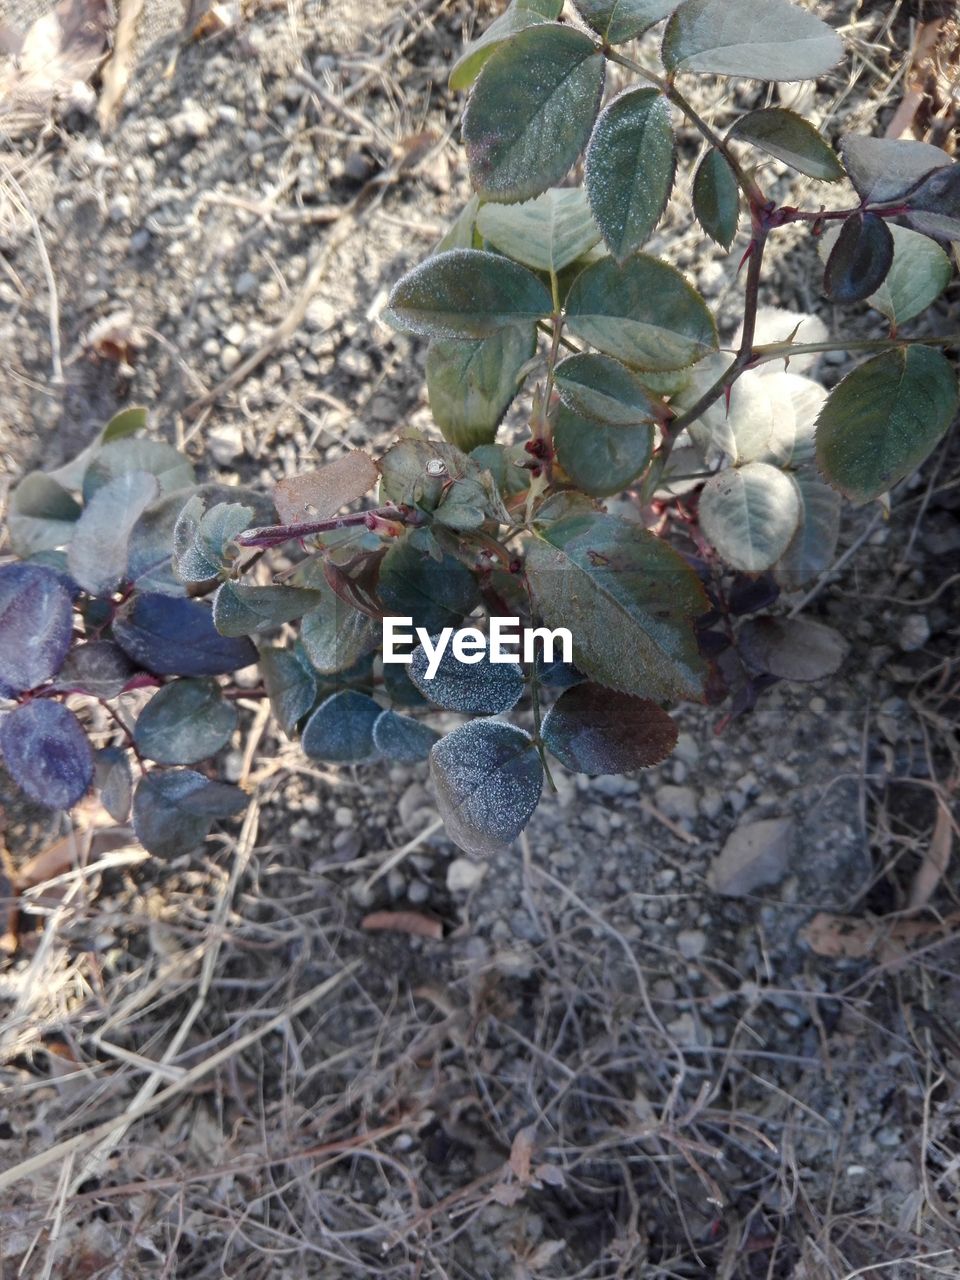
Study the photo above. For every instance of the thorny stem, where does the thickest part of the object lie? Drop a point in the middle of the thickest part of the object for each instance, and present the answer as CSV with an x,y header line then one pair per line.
x,y
786,350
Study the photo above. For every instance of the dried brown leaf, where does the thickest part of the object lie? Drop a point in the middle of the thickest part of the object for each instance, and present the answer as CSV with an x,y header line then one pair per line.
x,y
116,74
521,1153
319,495
855,938
508,1193
58,55
936,859
410,922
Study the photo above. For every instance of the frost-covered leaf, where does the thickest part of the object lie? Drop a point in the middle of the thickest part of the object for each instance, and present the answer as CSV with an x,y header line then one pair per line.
x,y
340,731
595,730
185,721
334,635
520,14
174,637
601,459
774,40
531,111
790,138
792,648
435,594
241,610
547,233
114,777
42,515
46,752
883,419
882,169
99,668
629,169
98,555
750,514
218,528
488,778
174,809
479,688
402,738
621,20
189,562
643,313
320,494
601,388
120,457
291,685
813,546
466,293
629,600
859,260
471,382
716,198
36,618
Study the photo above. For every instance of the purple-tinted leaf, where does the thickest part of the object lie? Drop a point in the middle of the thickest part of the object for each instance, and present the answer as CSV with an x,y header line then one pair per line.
x,y
750,595
47,753
595,730
791,648
99,668
174,809
114,777
860,259
341,729
36,617
174,637
99,548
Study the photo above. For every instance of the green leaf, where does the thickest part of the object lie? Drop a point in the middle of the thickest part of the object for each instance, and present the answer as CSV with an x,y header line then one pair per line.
x,y
883,419
408,469
291,686
629,600
595,730
98,554
466,293
716,198
934,206
488,778
334,635
477,688
601,459
600,388
185,721
242,610
790,138
750,514
520,14
219,527
618,21
122,424
120,457
547,233
813,546
859,260
435,594
42,515
882,169
340,731
531,111
462,231
629,169
772,40
504,462
174,809
919,274
472,383
402,739
643,312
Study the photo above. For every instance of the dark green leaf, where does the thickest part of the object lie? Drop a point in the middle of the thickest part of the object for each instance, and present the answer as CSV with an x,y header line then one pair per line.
x,y
504,464
472,383
399,687
531,111
920,273
241,610
600,459
189,561
934,206
291,686
409,470
595,730
772,40
644,313
750,514
883,169
883,419
114,777
435,594
790,138
462,232
99,668
792,648
120,457
335,636
860,259
42,515
716,198
629,169
477,688
600,388
36,618
621,20
46,752
401,738
122,424
488,778
520,14
174,637
185,721
218,528
174,809
98,556
629,600
547,233
466,293
340,731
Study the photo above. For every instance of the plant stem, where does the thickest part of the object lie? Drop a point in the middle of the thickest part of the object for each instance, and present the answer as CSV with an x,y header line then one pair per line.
x,y
275,534
786,350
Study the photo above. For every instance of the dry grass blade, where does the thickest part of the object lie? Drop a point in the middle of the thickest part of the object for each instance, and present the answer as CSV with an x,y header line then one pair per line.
x,y
414,923
936,857
117,72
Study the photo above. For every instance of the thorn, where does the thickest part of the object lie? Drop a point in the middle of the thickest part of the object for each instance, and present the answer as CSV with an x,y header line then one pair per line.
x,y
748,254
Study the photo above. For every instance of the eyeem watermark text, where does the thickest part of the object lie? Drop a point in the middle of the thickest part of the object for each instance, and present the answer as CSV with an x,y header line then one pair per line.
x,y
507,641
